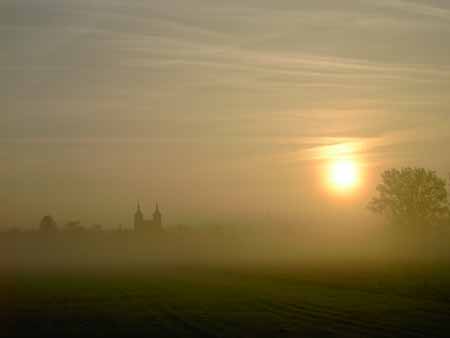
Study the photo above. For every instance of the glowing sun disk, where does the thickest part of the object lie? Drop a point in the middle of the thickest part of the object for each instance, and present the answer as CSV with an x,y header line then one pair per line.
x,y
343,174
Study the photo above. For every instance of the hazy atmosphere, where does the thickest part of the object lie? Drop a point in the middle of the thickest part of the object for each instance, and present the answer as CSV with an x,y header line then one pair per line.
x,y
220,111
240,168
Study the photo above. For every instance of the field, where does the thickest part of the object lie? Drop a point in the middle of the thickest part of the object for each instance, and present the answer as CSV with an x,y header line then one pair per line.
x,y
204,301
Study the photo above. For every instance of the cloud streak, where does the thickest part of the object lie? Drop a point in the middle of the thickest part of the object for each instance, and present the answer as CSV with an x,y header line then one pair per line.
x,y
416,8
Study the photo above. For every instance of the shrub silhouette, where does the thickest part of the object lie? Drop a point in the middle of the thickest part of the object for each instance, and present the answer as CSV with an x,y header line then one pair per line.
x,y
47,224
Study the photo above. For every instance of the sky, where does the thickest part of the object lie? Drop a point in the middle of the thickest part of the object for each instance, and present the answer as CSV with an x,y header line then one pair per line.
x,y
222,111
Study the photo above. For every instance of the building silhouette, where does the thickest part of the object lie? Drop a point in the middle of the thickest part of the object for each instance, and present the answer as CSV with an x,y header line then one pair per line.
x,y
143,225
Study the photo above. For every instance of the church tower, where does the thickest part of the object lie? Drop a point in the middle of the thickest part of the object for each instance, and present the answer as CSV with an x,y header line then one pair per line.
x,y
147,226
157,217
138,218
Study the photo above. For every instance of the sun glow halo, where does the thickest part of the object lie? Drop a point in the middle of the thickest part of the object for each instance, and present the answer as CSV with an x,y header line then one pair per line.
x,y
343,175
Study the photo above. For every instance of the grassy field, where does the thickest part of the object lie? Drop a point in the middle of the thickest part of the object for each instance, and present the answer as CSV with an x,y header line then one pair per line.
x,y
194,301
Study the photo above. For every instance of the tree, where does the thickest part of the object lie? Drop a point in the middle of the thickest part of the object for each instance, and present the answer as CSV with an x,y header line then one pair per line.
x,y
74,226
411,195
47,224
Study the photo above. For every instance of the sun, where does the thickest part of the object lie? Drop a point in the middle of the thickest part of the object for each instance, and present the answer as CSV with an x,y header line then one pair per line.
x,y
343,175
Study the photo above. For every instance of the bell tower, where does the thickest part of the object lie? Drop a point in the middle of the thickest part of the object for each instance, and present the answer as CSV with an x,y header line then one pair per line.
x,y
138,218
157,217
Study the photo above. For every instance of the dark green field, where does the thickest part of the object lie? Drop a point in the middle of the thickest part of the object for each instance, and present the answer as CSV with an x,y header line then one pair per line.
x,y
189,301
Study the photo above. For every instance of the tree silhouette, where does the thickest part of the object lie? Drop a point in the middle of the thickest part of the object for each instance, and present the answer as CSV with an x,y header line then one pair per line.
x,y
411,195
47,224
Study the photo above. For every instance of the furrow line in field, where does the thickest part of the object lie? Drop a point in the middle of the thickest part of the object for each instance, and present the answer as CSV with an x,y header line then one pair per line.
x,y
340,320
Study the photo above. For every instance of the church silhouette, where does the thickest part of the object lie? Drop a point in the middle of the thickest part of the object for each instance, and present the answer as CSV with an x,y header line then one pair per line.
x,y
143,225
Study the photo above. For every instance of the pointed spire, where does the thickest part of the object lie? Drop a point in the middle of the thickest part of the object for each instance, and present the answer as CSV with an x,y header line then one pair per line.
x,y
138,211
157,212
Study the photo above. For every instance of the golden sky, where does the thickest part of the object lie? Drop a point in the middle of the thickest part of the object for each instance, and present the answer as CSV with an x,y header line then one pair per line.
x,y
221,110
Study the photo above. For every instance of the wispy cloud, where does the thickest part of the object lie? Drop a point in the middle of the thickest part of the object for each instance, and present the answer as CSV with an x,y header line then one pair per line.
x,y
423,8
